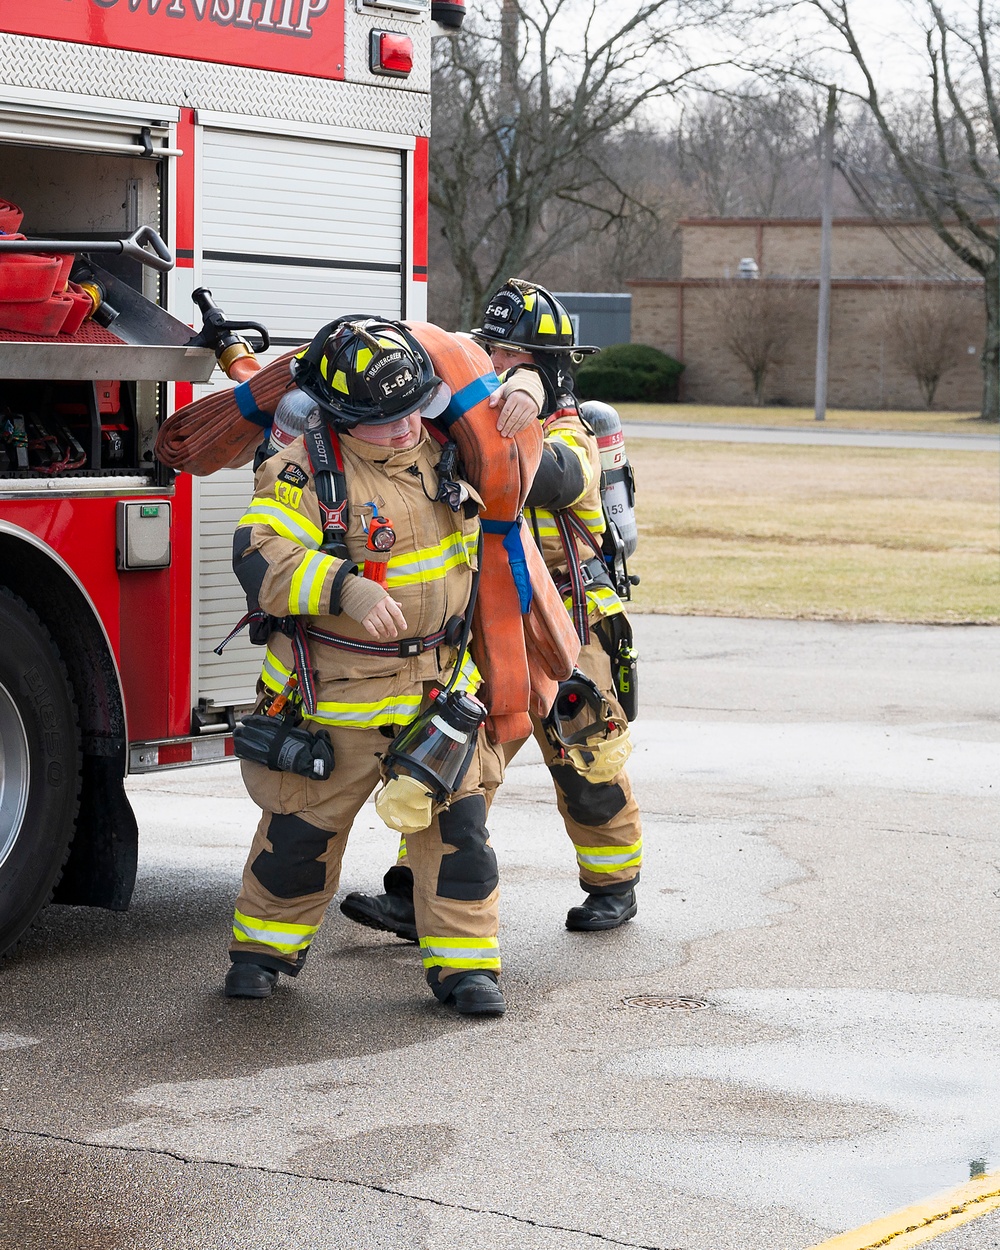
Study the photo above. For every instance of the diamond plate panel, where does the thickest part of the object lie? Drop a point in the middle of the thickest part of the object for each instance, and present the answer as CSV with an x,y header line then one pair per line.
x,y
113,73
359,28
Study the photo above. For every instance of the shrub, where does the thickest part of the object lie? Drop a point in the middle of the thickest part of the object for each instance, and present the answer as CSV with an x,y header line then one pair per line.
x,y
629,371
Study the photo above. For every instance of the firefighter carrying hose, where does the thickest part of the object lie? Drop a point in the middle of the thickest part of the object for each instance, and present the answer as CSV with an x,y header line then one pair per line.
x,y
358,570
529,334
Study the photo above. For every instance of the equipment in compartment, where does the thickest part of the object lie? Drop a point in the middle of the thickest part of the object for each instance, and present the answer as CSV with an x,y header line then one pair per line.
x,y
56,428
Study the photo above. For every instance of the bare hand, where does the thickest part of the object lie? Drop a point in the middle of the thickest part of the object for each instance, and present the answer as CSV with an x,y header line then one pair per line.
x,y
385,620
518,412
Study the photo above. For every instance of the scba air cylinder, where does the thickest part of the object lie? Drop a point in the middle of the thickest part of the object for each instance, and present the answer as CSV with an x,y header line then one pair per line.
x,y
290,418
617,485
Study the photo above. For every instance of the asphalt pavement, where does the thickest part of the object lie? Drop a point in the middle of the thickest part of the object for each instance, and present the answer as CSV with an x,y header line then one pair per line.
x,y
821,436
797,1034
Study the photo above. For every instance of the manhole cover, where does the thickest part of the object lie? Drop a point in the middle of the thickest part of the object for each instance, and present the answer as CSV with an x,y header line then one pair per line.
x,y
672,1002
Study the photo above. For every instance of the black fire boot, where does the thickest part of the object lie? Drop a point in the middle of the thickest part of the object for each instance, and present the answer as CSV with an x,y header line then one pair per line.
x,y
602,911
391,911
475,994
246,980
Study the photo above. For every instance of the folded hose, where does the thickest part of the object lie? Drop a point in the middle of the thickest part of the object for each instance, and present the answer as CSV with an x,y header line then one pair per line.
x,y
523,639
224,429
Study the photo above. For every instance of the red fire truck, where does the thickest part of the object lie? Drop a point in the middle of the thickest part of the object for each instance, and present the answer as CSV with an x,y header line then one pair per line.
x,y
279,148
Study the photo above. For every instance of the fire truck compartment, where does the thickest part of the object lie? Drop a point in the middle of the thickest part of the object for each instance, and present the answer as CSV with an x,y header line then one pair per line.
x,y
145,344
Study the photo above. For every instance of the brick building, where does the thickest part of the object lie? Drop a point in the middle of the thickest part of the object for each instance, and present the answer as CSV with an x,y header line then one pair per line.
x,y
872,267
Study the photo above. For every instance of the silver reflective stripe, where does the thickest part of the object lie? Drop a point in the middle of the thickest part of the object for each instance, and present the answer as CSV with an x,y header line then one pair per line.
x,y
260,508
461,952
609,858
274,937
308,578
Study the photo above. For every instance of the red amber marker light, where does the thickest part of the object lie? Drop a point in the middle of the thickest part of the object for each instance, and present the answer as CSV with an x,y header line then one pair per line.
x,y
391,54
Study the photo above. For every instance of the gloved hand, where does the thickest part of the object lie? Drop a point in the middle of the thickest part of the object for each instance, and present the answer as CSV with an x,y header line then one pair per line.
x,y
373,607
520,401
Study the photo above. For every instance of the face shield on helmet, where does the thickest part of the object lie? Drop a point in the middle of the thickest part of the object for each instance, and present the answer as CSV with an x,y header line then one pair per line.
x,y
524,317
362,371
587,734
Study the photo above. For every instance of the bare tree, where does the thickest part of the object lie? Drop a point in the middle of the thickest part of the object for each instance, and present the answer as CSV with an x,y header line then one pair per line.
x,y
757,316
926,331
751,152
945,142
528,102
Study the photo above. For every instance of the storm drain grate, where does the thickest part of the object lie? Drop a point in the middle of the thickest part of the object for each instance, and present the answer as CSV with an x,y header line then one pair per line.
x,y
670,1002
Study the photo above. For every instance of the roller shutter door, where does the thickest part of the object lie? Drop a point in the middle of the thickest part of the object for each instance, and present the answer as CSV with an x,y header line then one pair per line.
x,y
295,232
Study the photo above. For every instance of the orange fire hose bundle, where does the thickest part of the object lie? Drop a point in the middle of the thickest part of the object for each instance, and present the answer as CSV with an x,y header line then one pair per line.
x,y
224,429
521,650
524,640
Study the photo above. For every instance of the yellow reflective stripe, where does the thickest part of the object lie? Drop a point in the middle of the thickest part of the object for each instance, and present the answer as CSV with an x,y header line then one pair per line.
x,y
600,599
593,518
571,440
307,584
273,673
469,676
394,710
286,938
285,522
461,952
427,564
609,858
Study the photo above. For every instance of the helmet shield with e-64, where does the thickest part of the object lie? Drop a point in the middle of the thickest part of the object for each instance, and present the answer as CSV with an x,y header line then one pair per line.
x,y
362,371
525,317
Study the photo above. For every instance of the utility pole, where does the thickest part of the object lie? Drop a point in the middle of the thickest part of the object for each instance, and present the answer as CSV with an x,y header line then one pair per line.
x,y
510,34
826,247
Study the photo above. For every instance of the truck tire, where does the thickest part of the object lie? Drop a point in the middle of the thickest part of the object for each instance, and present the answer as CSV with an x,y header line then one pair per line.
x,y
40,767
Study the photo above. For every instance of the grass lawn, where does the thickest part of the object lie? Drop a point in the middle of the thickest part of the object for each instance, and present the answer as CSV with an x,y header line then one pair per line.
x,y
825,533
836,418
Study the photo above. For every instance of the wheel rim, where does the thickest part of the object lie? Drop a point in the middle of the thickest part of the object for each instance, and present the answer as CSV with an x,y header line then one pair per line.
x,y
15,773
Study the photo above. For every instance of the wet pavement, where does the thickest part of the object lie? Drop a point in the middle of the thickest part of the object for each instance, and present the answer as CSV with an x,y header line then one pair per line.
x,y
813,968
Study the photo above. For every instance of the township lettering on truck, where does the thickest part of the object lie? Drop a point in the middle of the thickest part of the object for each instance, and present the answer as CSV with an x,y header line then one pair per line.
x,y
252,151
294,36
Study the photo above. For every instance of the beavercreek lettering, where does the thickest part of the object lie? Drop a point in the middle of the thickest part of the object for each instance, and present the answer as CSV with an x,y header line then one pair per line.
x,y
279,17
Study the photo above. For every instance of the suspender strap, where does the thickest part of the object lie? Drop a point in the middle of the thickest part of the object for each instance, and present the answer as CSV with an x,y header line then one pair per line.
x,y
244,620
296,633
578,592
303,670
584,534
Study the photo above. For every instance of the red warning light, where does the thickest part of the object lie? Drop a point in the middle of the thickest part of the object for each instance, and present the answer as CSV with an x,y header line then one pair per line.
x,y
391,54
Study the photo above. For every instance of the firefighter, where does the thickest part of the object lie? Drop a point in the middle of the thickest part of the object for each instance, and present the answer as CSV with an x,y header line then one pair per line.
x,y
528,332
376,646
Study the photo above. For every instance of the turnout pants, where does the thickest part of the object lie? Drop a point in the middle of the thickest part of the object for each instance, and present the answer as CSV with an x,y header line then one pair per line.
x,y
603,822
293,869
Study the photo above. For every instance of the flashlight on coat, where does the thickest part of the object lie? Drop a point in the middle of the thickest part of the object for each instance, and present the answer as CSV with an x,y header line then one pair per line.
x,y
379,541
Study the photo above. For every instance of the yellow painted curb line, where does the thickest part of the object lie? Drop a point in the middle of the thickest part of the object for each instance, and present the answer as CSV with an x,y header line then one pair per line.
x,y
924,1220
